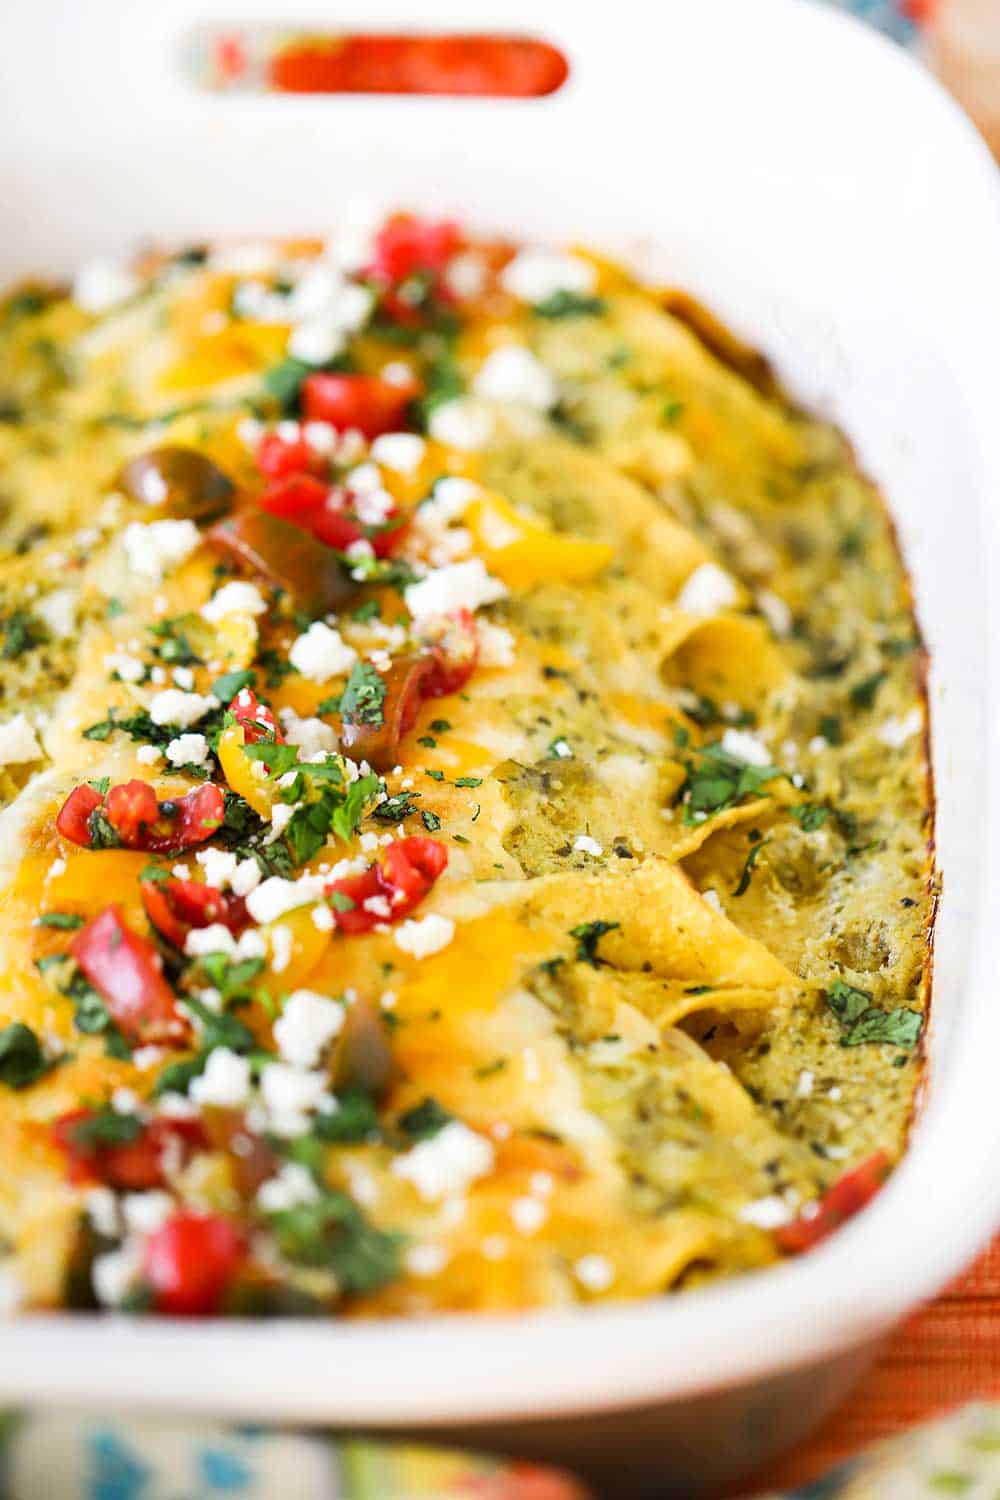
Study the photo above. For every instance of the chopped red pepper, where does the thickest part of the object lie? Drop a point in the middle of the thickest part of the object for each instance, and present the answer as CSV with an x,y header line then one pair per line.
x,y
139,820
454,655
127,973
131,1166
191,1260
366,403
409,868
327,512
175,906
256,719
405,245
279,458
296,498
838,1204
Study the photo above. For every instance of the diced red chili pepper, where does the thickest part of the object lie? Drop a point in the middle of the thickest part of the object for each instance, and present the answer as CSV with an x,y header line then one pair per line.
x,y
366,403
409,868
256,719
378,743
73,819
279,457
288,556
127,973
189,820
130,1166
332,525
454,654
190,1261
175,906
838,1204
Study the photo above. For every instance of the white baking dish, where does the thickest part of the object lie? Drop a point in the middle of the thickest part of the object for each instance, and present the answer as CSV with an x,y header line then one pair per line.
x,y
815,186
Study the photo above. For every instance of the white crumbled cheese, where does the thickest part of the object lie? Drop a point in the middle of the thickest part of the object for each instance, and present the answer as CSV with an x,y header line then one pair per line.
x,y
745,747
713,900
425,1260
115,1274
708,590
175,707
275,896
282,814
18,742
535,274
249,431
316,341
402,452
225,1081
322,918
129,668
306,1025
364,479
321,437
147,755
462,423
818,744
586,845
312,736
561,749
496,645
804,1087
149,1056
528,1214
514,374
154,547
290,1095
594,1272
426,935
183,678
145,1213
322,653
102,1211
219,866
465,275
188,750
58,611
293,1185
775,611
103,284
895,732
766,1213
234,598
215,938
447,1164
246,877
374,507
281,948
464,585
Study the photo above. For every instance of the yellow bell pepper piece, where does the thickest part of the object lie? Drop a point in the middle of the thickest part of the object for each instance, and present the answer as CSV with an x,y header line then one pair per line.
x,y
295,946
522,553
260,791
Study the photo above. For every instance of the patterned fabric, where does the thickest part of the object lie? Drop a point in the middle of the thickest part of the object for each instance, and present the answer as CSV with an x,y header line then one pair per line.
x,y
895,17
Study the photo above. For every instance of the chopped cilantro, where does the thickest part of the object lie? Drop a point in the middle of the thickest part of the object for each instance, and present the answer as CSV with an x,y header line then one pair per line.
x,y
864,1022
331,1232
443,382
672,411
425,1119
810,815
435,775
863,693
395,809
830,728
428,741
588,935
440,726
566,304
719,781
21,633
369,610
229,684
284,382
22,1061
751,860
430,820
468,781
105,1127
174,646
64,921
363,697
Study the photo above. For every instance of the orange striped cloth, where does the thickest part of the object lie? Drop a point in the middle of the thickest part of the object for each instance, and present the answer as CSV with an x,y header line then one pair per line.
x,y
943,1355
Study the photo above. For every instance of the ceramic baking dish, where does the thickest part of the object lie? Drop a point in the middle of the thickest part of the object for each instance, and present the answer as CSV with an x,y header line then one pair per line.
x,y
818,189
